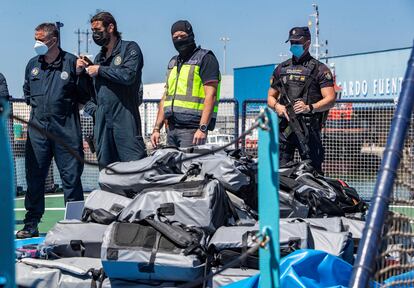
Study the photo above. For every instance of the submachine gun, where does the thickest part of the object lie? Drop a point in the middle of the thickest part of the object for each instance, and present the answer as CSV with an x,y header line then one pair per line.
x,y
298,126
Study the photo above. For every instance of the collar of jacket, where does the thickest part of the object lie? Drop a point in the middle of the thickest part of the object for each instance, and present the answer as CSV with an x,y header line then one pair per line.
x,y
304,58
115,50
55,64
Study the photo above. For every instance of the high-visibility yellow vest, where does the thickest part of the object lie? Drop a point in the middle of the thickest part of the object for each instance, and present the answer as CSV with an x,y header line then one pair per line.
x,y
185,90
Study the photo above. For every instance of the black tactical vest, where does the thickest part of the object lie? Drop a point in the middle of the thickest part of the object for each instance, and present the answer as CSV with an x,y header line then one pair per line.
x,y
294,78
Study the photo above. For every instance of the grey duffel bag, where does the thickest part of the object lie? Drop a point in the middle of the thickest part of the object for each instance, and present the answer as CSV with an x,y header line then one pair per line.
x,y
71,272
243,215
73,238
355,227
336,243
333,224
224,169
235,237
164,170
103,207
231,275
152,250
196,202
228,243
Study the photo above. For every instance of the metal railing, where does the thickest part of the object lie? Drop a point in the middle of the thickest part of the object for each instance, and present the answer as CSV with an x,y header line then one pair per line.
x,y
354,138
386,250
227,123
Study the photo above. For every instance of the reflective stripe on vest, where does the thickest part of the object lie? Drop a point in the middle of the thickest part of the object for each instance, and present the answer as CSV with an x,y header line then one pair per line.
x,y
185,90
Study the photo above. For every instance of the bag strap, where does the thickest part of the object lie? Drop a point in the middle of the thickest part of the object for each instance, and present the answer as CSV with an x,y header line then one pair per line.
x,y
233,211
245,237
97,275
77,245
149,267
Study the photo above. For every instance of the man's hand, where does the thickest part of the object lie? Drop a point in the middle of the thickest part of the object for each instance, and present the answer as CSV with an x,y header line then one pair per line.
x,y
300,107
80,65
155,138
92,70
281,111
199,137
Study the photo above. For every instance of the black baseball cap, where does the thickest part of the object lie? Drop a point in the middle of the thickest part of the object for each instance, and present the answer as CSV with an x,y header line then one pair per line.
x,y
298,33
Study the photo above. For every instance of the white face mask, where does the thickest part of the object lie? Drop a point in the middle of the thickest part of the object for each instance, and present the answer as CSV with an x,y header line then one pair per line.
x,y
40,48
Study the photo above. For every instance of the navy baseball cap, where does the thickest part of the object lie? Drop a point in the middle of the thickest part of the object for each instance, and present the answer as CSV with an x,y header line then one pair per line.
x,y
299,33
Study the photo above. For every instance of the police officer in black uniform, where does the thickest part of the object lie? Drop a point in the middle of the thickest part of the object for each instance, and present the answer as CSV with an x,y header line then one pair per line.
x,y
117,78
308,86
53,90
4,91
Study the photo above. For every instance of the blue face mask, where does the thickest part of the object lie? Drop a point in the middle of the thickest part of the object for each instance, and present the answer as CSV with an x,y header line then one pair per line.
x,y
297,50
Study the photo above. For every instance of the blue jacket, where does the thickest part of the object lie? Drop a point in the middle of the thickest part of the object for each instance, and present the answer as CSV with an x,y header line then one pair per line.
x,y
117,86
54,91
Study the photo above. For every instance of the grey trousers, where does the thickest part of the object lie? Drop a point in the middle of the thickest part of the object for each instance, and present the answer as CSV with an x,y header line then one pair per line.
x,y
180,137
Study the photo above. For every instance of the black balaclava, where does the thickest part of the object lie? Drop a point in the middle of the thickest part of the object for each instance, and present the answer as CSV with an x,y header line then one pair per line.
x,y
187,45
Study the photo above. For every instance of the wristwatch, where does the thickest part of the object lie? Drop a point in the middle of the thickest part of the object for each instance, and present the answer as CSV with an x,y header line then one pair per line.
x,y
203,128
311,108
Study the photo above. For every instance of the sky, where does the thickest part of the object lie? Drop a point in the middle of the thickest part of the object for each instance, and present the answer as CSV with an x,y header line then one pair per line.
x,y
257,29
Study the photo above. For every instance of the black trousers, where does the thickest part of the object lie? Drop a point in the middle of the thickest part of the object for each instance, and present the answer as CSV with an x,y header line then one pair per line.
x,y
288,146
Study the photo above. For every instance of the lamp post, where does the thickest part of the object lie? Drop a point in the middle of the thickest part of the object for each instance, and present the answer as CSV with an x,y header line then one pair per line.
x,y
316,16
225,40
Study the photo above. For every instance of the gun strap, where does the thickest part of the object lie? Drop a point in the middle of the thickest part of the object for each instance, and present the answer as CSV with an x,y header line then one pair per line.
x,y
314,64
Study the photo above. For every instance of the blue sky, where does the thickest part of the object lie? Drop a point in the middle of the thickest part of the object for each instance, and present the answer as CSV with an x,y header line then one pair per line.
x,y
257,29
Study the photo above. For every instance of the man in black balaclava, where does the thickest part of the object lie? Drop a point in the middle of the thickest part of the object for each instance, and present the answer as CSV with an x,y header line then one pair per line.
x,y
184,44
190,102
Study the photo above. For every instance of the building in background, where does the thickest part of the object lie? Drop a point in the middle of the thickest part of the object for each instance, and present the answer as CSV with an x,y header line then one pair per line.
x,y
369,75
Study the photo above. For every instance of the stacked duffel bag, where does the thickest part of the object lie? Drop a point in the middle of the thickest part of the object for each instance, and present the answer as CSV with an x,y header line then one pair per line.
x,y
164,222
162,236
71,253
150,224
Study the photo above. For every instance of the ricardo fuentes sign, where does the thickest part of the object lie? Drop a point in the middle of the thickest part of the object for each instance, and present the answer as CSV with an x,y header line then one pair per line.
x,y
378,88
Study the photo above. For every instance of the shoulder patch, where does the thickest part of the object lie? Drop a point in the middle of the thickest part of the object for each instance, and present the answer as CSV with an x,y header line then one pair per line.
x,y
133,52
64,75
117,60
35,71
328,75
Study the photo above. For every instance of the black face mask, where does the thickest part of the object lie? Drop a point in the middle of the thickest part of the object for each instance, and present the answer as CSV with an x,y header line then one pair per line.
x,y
185,46
101,38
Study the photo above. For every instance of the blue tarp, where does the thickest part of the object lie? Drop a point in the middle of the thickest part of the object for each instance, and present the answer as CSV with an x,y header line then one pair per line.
x,y
307,269
21,242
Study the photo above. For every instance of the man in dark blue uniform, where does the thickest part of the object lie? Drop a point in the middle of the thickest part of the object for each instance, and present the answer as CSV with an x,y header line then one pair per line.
x,y
117,78
307,85
4,92
53,90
